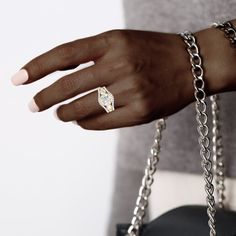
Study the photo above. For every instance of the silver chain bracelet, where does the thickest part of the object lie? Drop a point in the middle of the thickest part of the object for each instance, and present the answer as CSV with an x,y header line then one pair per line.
x,y
204,142
229,31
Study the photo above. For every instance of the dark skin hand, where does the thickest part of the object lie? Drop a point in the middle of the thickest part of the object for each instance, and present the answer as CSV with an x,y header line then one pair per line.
x,y
148,73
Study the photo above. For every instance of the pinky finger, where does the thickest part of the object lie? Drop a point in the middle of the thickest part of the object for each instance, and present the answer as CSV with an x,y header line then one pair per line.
x,y
121,117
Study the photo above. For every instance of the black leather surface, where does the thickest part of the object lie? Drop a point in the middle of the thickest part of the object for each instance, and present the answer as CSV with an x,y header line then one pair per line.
x,y
187,221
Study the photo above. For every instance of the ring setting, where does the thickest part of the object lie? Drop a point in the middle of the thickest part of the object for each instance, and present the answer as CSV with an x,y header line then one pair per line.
x,y
106,99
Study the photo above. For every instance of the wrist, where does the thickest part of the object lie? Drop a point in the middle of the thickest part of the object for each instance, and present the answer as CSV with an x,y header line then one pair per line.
x,y
218,61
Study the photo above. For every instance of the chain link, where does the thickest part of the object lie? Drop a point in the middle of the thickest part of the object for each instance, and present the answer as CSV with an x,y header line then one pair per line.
x,y
202,128
229,31
147,181
217,152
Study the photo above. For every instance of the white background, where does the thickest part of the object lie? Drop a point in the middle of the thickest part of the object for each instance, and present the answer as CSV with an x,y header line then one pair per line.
x,y
55,178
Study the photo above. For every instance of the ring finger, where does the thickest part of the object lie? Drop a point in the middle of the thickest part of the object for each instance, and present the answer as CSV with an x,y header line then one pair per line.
x,y
87,106
75,84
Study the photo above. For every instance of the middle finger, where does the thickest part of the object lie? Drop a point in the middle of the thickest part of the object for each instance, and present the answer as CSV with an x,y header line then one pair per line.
x,y
88,106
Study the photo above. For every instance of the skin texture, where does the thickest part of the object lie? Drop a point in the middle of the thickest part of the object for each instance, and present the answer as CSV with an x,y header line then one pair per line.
x,y
148,73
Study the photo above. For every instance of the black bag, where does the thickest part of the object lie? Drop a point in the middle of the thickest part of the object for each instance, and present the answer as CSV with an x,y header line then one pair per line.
x,y
187,221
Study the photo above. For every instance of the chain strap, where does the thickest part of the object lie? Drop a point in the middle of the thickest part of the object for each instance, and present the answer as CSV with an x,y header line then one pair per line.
x,y
229,31
201,117
147,181
204,142
217,152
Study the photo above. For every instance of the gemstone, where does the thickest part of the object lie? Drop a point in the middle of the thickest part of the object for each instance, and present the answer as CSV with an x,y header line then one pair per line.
x,y
105,99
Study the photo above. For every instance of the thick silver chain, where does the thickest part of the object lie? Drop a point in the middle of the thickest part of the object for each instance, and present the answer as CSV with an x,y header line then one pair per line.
x,y
203,130
147,181
230,32
204,142
217,152
219,162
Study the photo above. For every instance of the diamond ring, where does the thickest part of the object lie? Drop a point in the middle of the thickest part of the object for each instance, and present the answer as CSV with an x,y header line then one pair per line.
x,y
106,99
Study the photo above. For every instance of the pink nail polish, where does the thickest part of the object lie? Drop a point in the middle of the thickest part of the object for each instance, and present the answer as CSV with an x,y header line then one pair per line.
x,y
55,114
20,77
74,122
33,106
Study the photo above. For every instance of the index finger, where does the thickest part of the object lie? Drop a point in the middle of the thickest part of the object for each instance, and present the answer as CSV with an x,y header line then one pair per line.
x,y
65,56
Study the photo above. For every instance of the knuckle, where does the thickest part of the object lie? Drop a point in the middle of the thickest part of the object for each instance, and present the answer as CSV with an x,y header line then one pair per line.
x,y
86,45
76,109
116,33
104,39
65,51
143,110
90,74
35,66
116,36
133,65
80,110
137,85
68,85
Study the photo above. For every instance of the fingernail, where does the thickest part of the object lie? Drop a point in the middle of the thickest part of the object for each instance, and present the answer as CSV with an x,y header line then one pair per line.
x,y
74,122
20,77
55,114
33,106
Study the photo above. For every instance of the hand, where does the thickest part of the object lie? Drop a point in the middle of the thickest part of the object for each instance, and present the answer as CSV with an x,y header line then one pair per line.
x,y
148,73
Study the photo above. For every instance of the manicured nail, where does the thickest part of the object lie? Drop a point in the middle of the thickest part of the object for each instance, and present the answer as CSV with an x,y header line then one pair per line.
x,y
55,114
33,106
74,122
20,77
